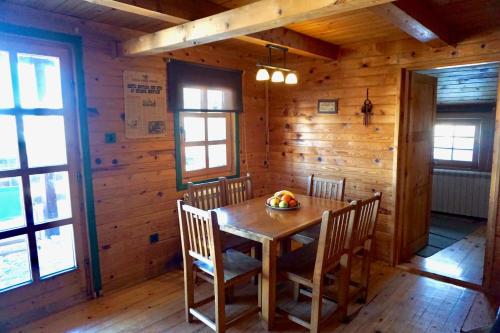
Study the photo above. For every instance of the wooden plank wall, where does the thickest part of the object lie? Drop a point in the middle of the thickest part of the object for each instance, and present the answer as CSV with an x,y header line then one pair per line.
x,y
134,180
304,142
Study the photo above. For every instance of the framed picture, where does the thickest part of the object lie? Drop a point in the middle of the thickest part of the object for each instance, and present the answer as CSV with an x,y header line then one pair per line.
x,y
328,106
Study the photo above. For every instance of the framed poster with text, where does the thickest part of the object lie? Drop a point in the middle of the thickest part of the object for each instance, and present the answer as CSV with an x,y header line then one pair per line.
x,y
145,105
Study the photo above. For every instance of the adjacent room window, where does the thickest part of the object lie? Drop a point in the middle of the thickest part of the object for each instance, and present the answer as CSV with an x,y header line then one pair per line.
x,y
456,143
206,102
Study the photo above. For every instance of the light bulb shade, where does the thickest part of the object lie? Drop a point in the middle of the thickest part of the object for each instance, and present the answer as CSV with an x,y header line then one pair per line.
x,y
262,75
291,78
278,76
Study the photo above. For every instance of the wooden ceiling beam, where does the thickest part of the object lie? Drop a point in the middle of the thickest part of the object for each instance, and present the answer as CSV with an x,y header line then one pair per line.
x,y
249,19
296,43
417,19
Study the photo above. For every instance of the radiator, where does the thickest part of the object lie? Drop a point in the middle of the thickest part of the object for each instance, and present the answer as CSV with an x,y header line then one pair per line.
x,y
461,192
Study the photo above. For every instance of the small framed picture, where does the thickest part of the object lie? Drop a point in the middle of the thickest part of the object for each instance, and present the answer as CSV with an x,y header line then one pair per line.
x,y
328,106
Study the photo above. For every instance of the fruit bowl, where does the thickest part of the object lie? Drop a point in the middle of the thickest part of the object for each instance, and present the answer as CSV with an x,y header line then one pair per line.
x,y
283,200
287,208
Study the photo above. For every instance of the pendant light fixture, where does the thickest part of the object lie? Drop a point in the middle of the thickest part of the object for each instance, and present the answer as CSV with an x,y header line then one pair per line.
x,y
279,74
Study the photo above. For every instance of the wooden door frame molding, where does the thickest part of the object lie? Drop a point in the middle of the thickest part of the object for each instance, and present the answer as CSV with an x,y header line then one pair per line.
x,y
399,164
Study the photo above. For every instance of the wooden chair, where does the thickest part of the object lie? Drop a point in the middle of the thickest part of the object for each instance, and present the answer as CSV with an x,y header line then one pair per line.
x,y
309,265
206,196
332,189
213,195
201,248
238,189
363,235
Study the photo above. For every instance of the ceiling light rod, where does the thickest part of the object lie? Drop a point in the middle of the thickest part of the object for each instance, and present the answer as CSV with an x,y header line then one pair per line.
x,y
274,67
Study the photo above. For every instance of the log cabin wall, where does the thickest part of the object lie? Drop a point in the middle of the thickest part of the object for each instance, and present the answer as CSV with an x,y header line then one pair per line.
x,y
134,179
304,142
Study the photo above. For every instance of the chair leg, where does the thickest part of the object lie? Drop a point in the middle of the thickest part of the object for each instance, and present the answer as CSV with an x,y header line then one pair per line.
x,y
296,291
365,276
343,290
188,290
259,290
220,308
229,295
316,303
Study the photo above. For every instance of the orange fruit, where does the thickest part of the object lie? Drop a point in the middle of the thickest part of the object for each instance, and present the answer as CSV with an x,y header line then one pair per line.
x,y
286,198
292,203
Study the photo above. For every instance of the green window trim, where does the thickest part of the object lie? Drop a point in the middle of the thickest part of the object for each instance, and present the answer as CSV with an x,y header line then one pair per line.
x,y
178,160
76,45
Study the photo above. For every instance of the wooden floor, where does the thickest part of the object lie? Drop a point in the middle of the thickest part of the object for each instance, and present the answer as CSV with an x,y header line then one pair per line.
x,y
462,261
398,302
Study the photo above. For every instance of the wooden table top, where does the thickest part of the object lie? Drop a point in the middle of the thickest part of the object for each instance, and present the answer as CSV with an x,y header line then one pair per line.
x,y
252,219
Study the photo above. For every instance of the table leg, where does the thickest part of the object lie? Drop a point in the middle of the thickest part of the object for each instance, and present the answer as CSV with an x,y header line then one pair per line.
x,y
269,254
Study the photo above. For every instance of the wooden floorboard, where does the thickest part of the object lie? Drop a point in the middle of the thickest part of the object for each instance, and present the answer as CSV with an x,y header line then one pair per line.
x,y
462,260
398,302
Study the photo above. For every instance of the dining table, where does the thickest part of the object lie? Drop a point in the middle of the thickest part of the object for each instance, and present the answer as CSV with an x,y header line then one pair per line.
x,y
254,220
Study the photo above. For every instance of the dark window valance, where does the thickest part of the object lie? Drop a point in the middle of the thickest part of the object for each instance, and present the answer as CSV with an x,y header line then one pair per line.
x,y
194,87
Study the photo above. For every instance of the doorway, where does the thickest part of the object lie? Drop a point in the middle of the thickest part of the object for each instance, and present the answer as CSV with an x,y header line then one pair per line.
x,y
447,169
41,231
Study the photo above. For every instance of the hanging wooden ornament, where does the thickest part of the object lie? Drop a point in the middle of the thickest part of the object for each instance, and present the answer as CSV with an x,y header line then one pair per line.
x,y
366,109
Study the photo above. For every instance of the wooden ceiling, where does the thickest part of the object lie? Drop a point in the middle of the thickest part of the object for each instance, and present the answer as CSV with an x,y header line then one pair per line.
x,y
466,84
466,17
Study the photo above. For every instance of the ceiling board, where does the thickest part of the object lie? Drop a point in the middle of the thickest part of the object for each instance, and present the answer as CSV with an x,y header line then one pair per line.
x,y
466,84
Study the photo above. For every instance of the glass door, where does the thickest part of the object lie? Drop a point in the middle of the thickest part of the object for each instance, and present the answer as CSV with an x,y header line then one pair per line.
x,y
40,196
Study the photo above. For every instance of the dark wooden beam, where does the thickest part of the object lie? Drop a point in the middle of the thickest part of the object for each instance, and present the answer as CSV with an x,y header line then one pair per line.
x,y
416,18
296,43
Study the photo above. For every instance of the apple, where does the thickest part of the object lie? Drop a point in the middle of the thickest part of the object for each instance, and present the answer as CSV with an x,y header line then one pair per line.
x,y
275,202
283,204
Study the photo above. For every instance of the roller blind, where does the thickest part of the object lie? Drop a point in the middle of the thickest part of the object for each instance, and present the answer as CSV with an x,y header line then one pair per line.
x,y
194,87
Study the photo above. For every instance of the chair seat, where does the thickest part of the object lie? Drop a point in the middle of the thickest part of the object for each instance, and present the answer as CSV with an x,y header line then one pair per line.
x,y
309,235
299,264
236,265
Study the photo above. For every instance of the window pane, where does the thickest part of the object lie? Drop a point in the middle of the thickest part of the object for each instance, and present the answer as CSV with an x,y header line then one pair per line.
x,y
443,130
462,155
15,265
39,81
45,140
195,158
6,95
443,142
216,128
217,156
50,196
9,153
191,98
463,143
442,154
11,204
465,130
56,250
215,99
194,129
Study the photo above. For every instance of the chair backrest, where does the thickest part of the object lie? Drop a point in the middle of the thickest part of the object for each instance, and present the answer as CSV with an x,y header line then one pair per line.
x,y
238,189
326,188
206,196
365,226
335,237
200,235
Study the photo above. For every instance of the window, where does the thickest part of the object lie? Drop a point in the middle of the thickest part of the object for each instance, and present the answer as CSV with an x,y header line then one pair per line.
x,y
456,143
206,102
207,139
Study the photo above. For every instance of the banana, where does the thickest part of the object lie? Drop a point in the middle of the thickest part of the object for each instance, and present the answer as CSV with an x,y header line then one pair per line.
x,y
279,194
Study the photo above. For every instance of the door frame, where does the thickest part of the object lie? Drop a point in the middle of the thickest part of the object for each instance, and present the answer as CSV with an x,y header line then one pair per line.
x,y
75,44
399,167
